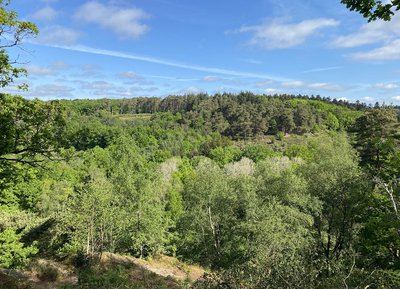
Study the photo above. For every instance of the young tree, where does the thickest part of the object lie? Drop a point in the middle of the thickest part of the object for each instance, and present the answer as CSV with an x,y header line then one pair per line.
x,y
376,133
336,180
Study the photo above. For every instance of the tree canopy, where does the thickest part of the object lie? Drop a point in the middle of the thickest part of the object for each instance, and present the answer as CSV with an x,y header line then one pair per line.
x,y
373,10
12,33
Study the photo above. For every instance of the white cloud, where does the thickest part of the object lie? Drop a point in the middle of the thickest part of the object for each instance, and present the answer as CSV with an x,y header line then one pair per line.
x,y
372,32
191,90
396,98
59,65
367,98
390,51
386,86
294,84
45,14
99,85
312,86
135,89
384,33
58,35
126,22
51,69
264,83
325,86
210,79
270,91
283,35
130,75
38,70
133,78
51,91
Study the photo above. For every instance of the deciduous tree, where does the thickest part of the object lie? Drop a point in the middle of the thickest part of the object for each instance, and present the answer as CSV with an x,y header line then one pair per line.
x,y
373,10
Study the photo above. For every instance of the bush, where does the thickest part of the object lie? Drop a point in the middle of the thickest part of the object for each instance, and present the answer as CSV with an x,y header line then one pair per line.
x,y
280,135
258,152
13,254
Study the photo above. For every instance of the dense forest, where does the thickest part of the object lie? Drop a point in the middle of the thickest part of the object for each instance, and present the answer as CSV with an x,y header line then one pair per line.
x,y
266,192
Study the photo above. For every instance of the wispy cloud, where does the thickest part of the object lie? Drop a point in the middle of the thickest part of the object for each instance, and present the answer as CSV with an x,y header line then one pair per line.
x,y
211,78
211,70
38,70
131,77
52,69
126,22
390,51
264,83
373,32
277,34
96,85
384,33
191,90
51,91
58,35
312,86
322,69
45,14
170,78
386,86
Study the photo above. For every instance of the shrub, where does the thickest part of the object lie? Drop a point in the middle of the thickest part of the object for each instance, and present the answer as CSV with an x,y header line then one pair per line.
x,y
13,253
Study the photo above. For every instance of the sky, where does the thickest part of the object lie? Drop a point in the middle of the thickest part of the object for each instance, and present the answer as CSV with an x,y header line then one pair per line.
x,y
125,48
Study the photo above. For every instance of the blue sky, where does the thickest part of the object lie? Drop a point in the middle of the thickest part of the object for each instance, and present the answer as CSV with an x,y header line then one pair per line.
x,y
121,48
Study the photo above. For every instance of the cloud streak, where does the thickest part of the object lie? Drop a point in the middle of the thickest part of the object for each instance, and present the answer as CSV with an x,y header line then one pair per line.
x,y
211,70
322,69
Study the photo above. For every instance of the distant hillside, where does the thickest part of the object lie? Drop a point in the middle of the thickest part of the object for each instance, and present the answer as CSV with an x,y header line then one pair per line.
x,y
240,116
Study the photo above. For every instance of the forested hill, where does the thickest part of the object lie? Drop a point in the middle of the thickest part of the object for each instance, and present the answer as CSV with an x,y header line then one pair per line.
x,y
240,116
263,192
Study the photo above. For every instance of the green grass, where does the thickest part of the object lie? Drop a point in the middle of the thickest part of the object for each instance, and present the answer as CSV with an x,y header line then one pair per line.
x,y
132,117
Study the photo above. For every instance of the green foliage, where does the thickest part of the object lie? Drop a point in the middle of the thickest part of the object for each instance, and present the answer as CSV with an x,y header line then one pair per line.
x,y
13,253
376,133
373,10
295,213
280,135
298,151
332,122
340,185
225,155
13,32
258,152
29,129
